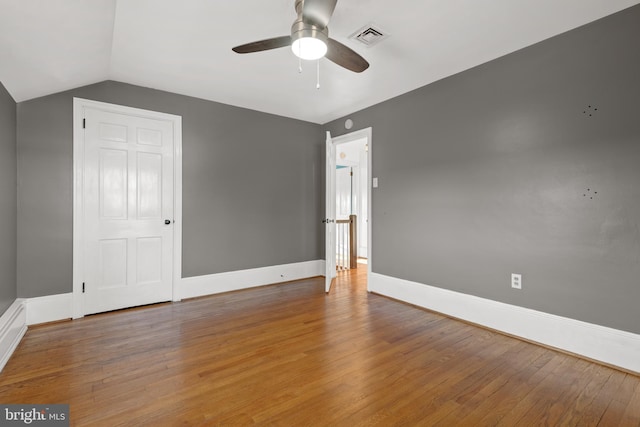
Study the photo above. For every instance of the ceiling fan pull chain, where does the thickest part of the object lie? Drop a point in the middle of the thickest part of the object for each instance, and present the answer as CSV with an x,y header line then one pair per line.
x,y
299,65
318,74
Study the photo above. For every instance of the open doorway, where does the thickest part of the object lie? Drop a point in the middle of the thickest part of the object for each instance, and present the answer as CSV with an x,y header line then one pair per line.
x,y
351,202
352,195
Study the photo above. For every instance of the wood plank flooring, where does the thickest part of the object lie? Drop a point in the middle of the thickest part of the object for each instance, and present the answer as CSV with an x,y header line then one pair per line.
x,y
289,355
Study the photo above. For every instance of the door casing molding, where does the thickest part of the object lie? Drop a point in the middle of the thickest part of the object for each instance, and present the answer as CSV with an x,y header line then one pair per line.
x,y
354,136
79,104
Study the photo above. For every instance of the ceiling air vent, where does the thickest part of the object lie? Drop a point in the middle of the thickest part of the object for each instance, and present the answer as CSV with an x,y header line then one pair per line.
x,y
369,35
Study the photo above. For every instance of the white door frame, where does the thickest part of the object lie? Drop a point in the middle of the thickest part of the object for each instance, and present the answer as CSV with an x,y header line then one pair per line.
x,y
353,136
330,215
79,105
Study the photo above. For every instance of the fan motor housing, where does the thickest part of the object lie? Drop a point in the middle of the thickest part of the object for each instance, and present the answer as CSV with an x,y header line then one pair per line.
x,y
301,29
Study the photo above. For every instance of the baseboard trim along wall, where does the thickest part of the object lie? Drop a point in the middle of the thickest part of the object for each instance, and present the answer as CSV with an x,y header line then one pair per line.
x,y
192,287
600,343
52,308
13,326
49,308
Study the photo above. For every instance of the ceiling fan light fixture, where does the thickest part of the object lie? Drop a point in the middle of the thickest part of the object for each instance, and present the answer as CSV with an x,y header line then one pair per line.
x,y
308,41
309,48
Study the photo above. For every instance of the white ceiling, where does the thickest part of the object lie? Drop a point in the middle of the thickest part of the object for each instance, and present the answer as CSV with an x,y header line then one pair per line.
x,y
184,46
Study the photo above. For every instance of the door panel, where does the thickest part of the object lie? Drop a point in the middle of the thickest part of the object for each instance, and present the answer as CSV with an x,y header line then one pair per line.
x,y
149,265
330,214
149,186
149,137
128,194
112,263
113,184
112,132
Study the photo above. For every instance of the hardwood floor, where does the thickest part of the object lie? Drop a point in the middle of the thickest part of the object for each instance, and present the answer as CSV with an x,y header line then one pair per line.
x,y
290,355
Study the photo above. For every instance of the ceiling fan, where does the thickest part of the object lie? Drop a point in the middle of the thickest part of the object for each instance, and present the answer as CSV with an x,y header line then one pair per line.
x,y
309,37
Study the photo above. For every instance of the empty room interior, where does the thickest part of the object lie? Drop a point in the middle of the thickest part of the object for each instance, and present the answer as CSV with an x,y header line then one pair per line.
x,y
320,212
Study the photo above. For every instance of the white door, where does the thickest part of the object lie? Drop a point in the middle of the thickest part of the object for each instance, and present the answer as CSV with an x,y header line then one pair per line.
x,y
128,216
330,215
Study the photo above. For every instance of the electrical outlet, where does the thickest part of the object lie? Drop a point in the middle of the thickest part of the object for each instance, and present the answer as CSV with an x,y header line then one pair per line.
x,y
516,281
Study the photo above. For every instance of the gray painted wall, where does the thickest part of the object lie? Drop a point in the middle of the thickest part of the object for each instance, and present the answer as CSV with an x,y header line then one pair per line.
x,y
8,199
495,171
252,190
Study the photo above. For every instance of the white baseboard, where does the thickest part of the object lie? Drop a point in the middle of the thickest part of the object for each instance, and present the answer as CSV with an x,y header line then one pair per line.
x,y
13,325
49,308
611,346
191,287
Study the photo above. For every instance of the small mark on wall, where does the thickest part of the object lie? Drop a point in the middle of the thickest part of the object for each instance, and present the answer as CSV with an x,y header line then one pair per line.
x,y
590,193
590,110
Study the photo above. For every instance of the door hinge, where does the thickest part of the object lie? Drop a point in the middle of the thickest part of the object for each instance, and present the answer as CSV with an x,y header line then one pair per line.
x,y
83,287
84,123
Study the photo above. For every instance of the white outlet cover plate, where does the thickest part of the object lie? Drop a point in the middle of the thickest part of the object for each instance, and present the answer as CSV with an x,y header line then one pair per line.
x,y
516,281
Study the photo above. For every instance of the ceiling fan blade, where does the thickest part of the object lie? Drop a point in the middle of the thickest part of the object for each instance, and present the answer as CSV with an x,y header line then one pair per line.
x,y
345,57
261,45
318,12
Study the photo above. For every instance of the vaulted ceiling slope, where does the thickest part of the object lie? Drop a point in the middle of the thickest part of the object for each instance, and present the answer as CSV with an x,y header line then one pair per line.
x,y
184,46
